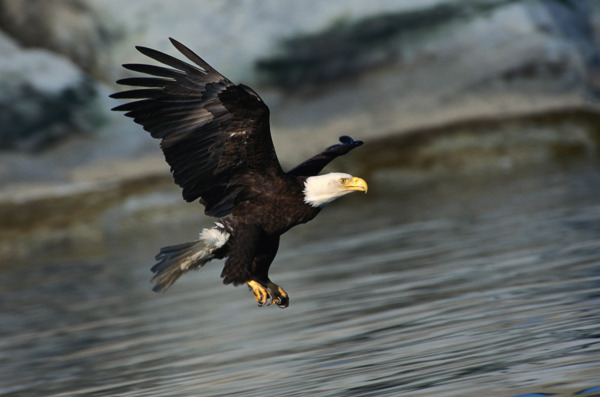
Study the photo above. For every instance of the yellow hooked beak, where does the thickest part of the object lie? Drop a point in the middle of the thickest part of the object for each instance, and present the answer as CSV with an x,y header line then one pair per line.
x,y
356,184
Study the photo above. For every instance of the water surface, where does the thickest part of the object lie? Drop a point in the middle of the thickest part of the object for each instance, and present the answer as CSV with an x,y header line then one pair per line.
x,y
469,286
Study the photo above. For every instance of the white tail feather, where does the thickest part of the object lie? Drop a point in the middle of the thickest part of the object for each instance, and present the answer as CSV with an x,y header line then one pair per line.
x,y
214,238
175,260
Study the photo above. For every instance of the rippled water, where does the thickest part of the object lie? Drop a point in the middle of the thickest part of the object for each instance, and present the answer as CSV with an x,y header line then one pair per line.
x,y
472,286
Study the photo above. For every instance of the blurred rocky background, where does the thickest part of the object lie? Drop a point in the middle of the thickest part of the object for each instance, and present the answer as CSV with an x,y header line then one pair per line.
x,y
435,88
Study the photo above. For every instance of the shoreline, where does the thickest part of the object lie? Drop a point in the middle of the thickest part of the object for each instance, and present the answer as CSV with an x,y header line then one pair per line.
x,y
106,199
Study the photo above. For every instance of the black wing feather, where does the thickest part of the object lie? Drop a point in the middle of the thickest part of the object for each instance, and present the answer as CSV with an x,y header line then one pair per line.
x,y
315,164
214,134
171,61
189,54
142,82
153,70
138,94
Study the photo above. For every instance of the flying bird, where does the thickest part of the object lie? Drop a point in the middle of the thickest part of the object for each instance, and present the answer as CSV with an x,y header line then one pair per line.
x,y
215,136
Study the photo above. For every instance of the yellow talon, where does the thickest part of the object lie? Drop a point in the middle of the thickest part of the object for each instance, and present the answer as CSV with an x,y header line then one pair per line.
x,y
272,293
261,294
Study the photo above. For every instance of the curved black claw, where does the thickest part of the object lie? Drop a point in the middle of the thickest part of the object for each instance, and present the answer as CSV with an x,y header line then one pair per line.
x,y
279,296
282,302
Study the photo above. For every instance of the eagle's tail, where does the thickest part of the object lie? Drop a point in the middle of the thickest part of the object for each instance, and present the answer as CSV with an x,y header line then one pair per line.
x,y
175,260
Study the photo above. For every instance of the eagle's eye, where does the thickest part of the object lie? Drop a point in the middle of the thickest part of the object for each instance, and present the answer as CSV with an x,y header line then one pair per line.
x,y
343,181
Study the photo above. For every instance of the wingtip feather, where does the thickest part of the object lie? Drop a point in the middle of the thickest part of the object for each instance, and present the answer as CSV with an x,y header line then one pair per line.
x,y
149,52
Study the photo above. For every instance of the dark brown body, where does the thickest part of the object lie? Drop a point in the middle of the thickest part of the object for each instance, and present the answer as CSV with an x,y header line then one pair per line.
x,y
256,226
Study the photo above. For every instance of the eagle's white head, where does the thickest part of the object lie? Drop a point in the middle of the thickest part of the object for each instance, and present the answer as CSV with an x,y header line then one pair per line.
x,y
323,189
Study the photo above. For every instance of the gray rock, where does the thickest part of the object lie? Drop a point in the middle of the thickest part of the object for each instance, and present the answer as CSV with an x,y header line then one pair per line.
x,y
73,28
43,97
561,34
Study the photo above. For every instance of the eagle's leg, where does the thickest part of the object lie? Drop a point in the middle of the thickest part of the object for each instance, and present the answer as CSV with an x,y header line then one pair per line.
x,y
261,293
280,297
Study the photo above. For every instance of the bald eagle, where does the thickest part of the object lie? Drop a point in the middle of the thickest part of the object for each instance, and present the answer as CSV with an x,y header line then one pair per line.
x,y
215,135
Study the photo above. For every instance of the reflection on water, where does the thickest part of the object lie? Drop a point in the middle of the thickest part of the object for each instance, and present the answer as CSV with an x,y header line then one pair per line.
x,y
464,287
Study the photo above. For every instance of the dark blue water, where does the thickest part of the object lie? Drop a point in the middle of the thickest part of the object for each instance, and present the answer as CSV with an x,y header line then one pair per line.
x,y
474,286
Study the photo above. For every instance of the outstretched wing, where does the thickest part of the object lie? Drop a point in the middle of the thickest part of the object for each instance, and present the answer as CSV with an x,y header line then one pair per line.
x,y
214,134
315,164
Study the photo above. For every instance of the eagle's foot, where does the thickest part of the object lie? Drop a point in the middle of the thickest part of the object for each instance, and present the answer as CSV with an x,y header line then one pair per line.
x,y
261,293
280,297
271,293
